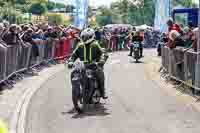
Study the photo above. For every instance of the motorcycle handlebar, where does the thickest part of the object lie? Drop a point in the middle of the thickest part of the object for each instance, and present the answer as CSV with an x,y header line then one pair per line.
x,y
92,65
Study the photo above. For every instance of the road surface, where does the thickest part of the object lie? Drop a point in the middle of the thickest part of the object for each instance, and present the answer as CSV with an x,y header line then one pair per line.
x,y
135,105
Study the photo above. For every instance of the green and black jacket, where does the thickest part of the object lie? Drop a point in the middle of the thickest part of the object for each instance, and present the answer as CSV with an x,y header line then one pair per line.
x,y
88,53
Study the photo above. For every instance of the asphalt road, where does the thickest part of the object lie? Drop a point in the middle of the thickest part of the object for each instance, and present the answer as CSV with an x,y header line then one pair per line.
x,y
135,105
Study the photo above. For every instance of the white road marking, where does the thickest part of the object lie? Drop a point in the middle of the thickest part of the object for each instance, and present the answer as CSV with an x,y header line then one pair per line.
x,y
110,54
117,61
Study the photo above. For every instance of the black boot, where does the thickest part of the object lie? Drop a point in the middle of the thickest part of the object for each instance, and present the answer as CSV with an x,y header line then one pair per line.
x,y
101,82
102,89
131,51
104,94
141,53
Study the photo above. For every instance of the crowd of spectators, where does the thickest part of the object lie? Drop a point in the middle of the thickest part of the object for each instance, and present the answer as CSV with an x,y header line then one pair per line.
x,y
114,39
38,38
186,37
13,35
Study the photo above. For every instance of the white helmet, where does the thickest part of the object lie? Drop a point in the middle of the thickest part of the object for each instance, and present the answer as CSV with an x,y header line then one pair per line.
x,y
173,35
88,35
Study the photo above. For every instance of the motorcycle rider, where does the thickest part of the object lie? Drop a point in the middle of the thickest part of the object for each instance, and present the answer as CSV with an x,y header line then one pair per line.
x,y
136,38
90,51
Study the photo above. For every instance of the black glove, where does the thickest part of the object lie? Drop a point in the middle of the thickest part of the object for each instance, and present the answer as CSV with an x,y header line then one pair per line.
x,y
70,65
101,63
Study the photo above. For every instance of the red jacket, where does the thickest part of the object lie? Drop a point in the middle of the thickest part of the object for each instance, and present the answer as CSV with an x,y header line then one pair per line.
x,y
175,27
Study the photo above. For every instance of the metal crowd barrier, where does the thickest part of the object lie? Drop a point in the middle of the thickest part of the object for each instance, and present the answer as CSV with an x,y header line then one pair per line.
x,y
11,60
176,63
181,65
35,61
3,52
190,66
24,57
19,58
49,49
165,58
41,49
46,49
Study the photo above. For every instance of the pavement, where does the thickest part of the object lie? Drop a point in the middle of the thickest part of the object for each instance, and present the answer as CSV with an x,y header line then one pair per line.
x,y
139,101
182,93
136,104
12,99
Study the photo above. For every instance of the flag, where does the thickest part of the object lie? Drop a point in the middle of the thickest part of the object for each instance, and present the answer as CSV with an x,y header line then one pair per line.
x,y
162,15
81,13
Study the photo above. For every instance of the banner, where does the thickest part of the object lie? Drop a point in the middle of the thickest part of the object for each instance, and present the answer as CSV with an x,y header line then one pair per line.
x,y
81,13
162,15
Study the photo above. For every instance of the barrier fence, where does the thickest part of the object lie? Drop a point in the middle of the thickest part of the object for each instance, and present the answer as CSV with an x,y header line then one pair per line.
x,y
181,65
24,56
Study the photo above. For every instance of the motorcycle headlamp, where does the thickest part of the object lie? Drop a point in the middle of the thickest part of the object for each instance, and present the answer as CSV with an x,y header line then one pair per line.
x,y
89,73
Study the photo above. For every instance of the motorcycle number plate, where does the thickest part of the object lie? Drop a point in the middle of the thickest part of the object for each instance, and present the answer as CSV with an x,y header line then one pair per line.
x,y
76,77
89,73
136,45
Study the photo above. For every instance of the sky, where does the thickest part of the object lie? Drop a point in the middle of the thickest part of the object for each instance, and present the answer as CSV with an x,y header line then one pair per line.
x,y
196,1
97,3
101,2
94,3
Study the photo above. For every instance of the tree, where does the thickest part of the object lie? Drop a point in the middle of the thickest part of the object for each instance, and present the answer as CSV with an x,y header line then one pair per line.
x,y
60,5
9,10
22,2
12,2
116,12
124,10
38,1
184,3
38,8
10,15
22,8
134,12
148,12
69,8
51,5
134,15
55,19
104,16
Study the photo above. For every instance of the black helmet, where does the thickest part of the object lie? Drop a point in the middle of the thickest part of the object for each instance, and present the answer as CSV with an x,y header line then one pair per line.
x,y
88,35
170,22
190,24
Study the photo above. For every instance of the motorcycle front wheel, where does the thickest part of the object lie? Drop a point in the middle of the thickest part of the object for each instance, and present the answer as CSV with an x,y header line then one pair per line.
x,y
77,99
136,55
96,97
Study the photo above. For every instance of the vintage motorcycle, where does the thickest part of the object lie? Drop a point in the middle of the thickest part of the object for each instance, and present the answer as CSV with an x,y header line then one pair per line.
x,y
85,88
136,51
